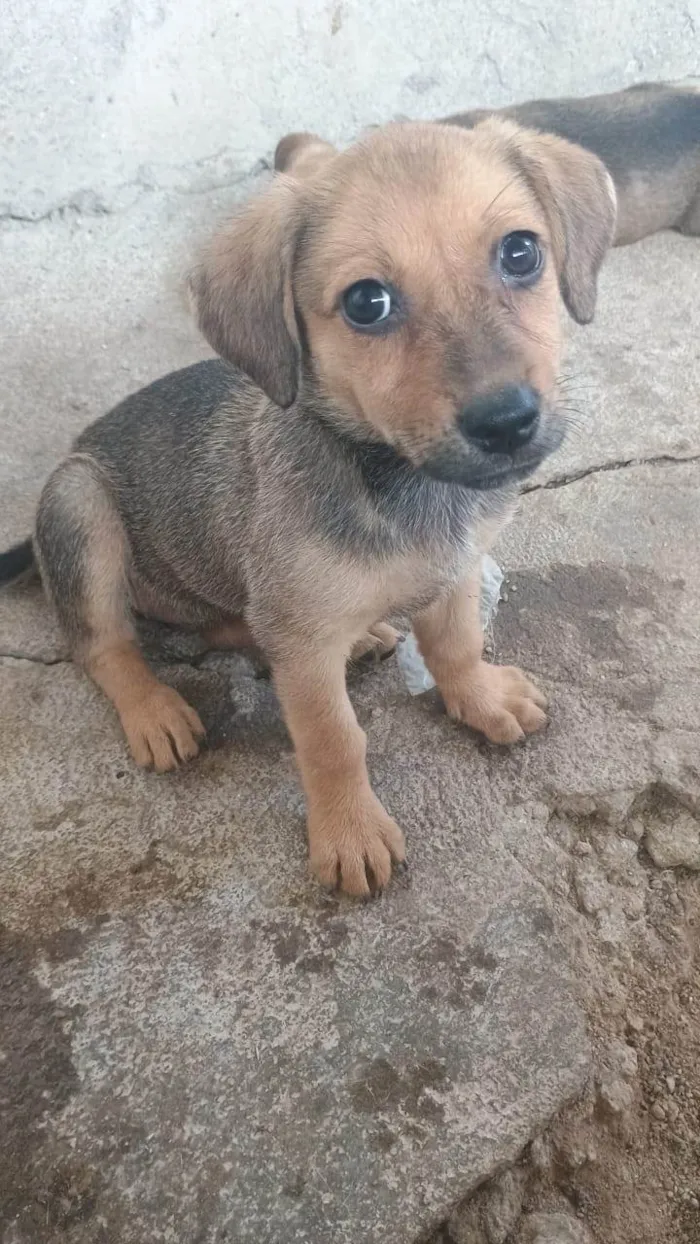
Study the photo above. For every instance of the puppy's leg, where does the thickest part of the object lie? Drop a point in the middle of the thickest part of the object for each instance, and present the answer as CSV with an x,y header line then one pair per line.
x,y
352,840
82,550
497,700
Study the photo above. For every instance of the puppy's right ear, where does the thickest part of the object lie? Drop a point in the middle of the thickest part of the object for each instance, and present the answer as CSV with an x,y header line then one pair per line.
x,y
578,196
242,291
302,155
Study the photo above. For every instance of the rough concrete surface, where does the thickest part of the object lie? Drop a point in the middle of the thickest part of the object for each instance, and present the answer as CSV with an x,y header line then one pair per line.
x,y
242,1055
197,1046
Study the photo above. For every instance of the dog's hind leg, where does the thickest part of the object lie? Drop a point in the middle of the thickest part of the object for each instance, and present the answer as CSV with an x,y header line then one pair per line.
x,y
380,641
83,555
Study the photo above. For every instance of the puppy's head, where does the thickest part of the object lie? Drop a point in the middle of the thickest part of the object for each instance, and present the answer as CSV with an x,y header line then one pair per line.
x,y
411,285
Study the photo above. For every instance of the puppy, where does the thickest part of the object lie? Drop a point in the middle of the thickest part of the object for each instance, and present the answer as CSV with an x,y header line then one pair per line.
x,y
389,330
648,137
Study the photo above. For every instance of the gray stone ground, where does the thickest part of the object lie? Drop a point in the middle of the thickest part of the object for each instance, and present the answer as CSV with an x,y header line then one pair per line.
x,y
197,1046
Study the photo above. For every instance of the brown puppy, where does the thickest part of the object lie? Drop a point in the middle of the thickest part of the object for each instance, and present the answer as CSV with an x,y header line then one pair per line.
x,y
393,323
648,137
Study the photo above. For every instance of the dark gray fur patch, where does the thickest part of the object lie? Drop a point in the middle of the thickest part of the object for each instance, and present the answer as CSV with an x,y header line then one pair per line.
x,y
369,501
649,126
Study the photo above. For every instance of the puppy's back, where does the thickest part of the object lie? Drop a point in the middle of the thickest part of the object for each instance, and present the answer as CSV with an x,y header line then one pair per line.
x,y
165,415
176,457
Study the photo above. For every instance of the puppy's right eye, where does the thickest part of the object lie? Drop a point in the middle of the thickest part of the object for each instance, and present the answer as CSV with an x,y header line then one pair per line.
x,y
520,257
367,303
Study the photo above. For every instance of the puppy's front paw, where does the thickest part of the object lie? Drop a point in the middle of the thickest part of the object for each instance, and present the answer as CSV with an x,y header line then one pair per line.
x,y
498,701
161,729
352,845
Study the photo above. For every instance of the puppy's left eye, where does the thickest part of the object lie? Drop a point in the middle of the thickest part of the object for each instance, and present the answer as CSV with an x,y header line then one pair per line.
x,y
519,257
367,303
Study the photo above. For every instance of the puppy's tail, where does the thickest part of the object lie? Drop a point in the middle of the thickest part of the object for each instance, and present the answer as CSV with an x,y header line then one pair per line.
x,y
16,561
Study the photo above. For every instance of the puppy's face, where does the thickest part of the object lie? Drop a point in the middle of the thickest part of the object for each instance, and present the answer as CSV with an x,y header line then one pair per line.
x,y
421,275
430,304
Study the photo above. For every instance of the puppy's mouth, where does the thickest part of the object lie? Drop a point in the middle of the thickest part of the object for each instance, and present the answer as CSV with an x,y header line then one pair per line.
x,y
456,461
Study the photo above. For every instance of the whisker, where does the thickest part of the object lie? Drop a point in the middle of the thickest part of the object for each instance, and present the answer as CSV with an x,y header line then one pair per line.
x,y
493,218
539,339
496,197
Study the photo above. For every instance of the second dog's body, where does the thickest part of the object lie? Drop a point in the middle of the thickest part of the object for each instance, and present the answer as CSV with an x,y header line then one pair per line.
x,y
648,137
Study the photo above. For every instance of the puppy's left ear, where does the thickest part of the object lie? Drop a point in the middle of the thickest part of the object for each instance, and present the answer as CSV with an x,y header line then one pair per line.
x,y
303,155
579,199
242,291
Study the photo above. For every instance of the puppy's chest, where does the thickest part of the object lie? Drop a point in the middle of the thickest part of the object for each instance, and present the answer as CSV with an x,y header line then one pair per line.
x,y
405,584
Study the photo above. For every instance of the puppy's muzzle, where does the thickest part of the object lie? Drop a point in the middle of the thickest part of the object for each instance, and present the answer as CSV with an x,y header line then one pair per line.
x,y
499,438
502,422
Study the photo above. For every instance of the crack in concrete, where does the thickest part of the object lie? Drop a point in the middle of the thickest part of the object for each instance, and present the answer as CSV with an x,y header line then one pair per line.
x,y
572,477
89,203
493,64
162,659
85,203
13,655
60,212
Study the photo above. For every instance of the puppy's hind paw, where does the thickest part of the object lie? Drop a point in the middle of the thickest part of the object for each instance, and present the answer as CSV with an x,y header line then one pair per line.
x,y
379,642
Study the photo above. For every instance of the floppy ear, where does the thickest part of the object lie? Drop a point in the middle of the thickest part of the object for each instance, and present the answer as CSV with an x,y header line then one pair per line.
x,y
578,196
302,155
242,291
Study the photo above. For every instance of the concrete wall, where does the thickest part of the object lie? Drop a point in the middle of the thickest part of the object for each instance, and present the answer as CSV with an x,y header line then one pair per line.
x,y
99,95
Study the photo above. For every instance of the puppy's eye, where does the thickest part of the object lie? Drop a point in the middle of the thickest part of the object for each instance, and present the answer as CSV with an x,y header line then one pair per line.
x,y
519,256
367,303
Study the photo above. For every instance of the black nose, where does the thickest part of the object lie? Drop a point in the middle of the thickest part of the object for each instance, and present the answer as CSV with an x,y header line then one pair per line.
x,y
504,421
